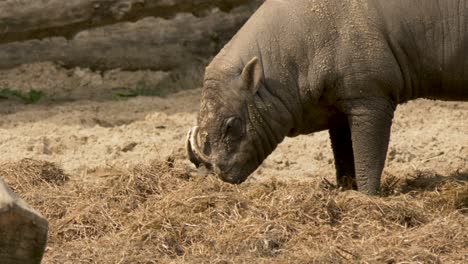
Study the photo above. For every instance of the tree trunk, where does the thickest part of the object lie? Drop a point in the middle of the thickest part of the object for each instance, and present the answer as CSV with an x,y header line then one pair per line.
x,y
23,231
31,19
152,43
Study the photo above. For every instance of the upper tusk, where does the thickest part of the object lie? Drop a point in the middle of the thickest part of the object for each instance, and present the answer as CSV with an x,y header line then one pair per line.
x,y
194,159
193,141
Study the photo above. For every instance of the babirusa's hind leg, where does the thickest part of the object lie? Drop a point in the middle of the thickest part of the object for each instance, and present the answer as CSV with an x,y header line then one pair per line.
x,y
370,121
340,136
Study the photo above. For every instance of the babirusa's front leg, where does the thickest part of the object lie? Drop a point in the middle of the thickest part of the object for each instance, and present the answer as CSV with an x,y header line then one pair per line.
x,y
370,121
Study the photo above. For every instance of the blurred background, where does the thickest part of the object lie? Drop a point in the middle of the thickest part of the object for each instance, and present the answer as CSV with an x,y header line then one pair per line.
x,y
94,49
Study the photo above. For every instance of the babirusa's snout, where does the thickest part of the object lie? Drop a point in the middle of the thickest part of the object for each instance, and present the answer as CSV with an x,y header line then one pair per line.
x,y
227,170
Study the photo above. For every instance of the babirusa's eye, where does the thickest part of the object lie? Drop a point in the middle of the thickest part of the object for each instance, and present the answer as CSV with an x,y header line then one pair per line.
x,y
233,127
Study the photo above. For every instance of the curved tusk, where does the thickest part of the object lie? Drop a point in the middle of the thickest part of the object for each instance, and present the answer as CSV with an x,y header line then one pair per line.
x,y
193,141
189,150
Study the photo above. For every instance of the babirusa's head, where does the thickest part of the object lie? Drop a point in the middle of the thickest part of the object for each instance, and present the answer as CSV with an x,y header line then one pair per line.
x,y
236,129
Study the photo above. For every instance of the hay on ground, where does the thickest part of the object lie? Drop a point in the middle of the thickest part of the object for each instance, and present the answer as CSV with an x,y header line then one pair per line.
x,y
162,212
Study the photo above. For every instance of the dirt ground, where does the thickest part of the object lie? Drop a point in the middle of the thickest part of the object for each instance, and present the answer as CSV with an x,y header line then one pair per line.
x,y
88,125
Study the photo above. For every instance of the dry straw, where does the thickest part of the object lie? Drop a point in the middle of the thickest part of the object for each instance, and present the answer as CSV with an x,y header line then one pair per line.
x,y
164,213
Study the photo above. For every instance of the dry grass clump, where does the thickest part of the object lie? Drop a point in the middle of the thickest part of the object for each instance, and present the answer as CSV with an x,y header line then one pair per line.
x,y
28,173
162,213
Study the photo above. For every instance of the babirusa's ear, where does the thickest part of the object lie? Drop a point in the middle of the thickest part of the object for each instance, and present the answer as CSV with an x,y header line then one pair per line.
x,y
252,74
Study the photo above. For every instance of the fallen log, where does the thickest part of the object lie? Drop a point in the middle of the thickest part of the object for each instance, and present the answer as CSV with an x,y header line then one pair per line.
x,y
32,19
152,43
23,231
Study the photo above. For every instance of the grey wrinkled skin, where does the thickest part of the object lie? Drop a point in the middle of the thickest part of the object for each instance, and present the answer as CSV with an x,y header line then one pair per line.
x,y
297,67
